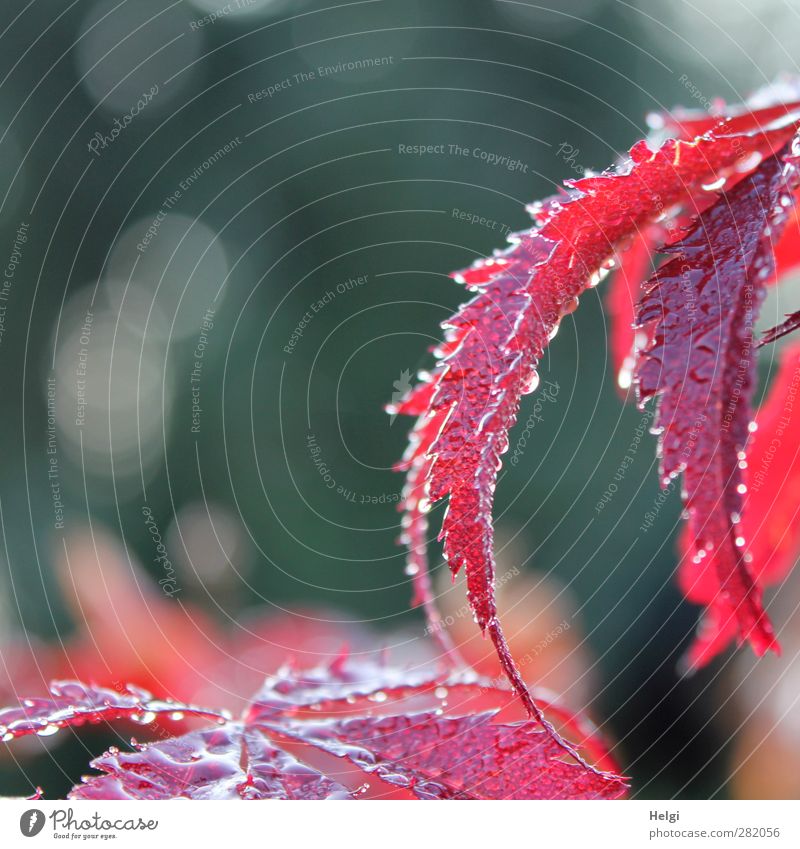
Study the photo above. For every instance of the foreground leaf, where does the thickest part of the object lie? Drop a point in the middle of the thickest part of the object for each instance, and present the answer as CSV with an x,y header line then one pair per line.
x,y
433,735
232,762
72,703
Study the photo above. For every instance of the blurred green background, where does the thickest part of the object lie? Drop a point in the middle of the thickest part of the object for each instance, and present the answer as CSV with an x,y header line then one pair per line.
x,y
265,184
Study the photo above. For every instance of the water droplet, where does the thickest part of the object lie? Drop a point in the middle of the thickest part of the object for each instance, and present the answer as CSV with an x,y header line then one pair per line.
x,y
749,163
144,718
712,187
530,383
570,306
412,569
440,692
47,731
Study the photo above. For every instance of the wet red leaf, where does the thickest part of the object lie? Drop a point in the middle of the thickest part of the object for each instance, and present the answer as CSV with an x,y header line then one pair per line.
x,y
494,342
770,514
435,735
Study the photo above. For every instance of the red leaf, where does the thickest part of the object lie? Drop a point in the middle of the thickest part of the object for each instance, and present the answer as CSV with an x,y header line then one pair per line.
x,y
770,103
435,735
787,251
72,703
633,268
784,328
467,757
345,684
494,343
701,364
770,517
231,762
771,510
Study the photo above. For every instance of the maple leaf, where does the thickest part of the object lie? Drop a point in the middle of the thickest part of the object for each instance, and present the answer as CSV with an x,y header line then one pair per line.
x,y
72,703
434,735
634,266
791,324
493,344
701,364
770,514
